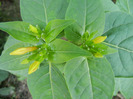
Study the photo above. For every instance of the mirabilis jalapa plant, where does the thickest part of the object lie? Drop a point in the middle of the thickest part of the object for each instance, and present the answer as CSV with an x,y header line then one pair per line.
x,y
67,49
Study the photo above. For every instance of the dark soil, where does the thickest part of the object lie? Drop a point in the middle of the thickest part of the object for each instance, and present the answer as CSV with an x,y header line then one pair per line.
x,y
114,1
9,10
118,96
21,90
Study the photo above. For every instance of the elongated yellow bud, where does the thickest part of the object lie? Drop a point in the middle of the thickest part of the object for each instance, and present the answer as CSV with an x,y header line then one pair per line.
x,y
99,39
98,55
25,61
23,50
33,67
33,29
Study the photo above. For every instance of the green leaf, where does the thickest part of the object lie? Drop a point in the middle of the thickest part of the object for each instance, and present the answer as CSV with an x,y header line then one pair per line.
x,y
104,49
3,75
55,27
60,67
19,30
48,82
125,6
119,35
109,6
62,51
40,12
6,91
89,16
10,42
13,64
92,78
125,86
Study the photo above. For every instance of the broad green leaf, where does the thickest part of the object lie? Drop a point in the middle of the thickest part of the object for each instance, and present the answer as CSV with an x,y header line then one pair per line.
x,y
60,67
125,86
55,27
40,12
109,6
125,6
91,79
19,30
3,75
89,16
10,42
6,91
48,83
113,20
61,51
13,64
119,33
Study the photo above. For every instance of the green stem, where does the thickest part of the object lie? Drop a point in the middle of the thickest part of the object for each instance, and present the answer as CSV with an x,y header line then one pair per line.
x,y
50,67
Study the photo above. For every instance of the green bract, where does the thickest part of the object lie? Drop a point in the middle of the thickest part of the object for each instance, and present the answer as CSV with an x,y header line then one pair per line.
x,y
73,49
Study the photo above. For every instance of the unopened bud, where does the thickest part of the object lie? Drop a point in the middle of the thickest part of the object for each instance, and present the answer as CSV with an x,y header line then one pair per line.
x,y
25,61
33,67
98,55
33,29
99,39
23,50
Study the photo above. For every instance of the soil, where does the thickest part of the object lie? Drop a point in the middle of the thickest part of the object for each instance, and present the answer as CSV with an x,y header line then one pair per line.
x,y
118,96
21,90
114,1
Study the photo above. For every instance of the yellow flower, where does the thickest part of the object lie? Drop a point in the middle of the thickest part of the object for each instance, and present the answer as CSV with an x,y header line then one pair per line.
x,y
23,50
98,55
25,61
33,67
99,39
33,29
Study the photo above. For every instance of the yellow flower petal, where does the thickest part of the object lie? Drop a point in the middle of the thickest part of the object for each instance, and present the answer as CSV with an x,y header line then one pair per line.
x,y
99,39
23,50
33,67
25,61
98,55
33,29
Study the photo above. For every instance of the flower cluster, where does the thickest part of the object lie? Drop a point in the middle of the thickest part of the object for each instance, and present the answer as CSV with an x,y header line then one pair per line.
x,y
95,45
40,52
37,53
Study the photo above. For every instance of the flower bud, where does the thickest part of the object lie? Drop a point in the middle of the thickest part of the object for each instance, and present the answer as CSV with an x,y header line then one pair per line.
x,y
33,29
33,67
23,50
98,55
99,39
25,61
